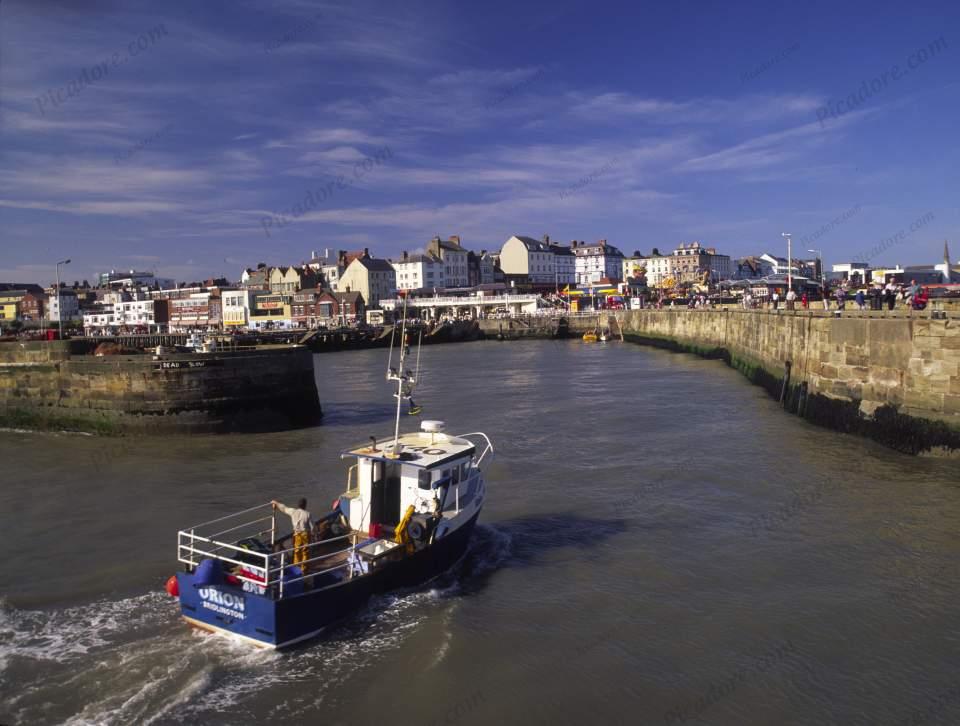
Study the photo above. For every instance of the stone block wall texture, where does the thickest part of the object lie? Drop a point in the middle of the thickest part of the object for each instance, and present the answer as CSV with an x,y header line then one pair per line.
x,y
43,386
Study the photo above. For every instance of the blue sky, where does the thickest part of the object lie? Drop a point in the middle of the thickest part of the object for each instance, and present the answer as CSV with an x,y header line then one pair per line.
x,y
644,124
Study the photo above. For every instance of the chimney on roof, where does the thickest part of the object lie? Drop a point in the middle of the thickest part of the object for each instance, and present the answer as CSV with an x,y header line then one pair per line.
x,y
603,243
455,238
404,255
546,239
574,244
366,252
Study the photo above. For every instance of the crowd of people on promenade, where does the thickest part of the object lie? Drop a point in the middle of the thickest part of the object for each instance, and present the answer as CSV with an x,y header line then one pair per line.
x,y
891,296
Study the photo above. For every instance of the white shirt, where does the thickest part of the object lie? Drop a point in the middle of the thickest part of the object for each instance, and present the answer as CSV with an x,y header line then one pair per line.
x,y
299,517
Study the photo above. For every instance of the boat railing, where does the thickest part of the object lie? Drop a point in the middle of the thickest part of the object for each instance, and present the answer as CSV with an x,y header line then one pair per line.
x,y
261,569
488,449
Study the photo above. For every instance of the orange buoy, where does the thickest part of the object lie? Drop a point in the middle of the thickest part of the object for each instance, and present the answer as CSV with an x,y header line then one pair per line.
x,y
173,587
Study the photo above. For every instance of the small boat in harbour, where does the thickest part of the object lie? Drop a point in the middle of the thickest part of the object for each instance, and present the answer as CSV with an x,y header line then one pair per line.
x,y
406,516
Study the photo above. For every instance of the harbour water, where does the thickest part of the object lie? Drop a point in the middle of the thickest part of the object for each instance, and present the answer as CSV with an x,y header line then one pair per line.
x,y
661,544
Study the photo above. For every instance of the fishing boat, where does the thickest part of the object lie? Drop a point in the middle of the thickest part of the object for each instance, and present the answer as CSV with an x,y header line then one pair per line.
x,y
590,336
410,504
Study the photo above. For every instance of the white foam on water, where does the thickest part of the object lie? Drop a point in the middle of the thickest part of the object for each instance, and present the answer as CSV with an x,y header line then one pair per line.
x,y
130,661
60,635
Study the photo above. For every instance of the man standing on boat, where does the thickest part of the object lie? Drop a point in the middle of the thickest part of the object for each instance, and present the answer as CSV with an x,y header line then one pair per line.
x,y
300,518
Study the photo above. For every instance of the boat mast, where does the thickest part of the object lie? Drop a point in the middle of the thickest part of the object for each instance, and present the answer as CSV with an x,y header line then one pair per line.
x,y
398,375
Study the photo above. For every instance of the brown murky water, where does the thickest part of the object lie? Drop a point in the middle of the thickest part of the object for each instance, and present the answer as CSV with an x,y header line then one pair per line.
x,y
661,544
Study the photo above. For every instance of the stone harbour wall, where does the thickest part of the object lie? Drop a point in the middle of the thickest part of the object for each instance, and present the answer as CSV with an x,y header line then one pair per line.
x,y
58,386
896,380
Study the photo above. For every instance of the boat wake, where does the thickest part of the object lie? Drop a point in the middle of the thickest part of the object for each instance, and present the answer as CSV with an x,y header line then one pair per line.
x,y
133,661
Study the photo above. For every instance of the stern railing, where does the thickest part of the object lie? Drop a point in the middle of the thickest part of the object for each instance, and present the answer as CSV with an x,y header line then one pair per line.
x,y
266,569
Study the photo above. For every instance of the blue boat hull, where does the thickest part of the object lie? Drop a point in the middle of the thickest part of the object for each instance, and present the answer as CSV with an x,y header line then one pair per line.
x,y
292,619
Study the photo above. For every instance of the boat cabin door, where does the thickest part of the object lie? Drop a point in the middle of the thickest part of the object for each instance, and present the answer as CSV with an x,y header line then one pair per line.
x,y
385,494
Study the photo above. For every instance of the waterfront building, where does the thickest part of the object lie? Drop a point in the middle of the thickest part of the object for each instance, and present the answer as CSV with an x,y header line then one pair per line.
x,y
12,298
660,269
375,279
696,263
271,311
350,307
290,279
751,268
256,279
195,311
597,262
330,266
132,278
490,272
125,314
565,265
68,301
317,306
778,265
235,307
851,271
529,260
481,269
419,272
33,306
454,258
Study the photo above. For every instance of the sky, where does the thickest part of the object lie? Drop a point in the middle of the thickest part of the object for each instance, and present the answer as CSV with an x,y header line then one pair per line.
x,y
199,138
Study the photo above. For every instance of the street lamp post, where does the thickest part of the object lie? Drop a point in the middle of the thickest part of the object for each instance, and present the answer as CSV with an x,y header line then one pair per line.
x,y
789,259
59,306
823,293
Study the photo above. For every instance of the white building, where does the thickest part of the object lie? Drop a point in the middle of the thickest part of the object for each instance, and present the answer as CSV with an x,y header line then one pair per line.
x,y
419,272
529,257
778,265
850,270
128,314
660,269
455,267
596,262
236,307
331,266
132,278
